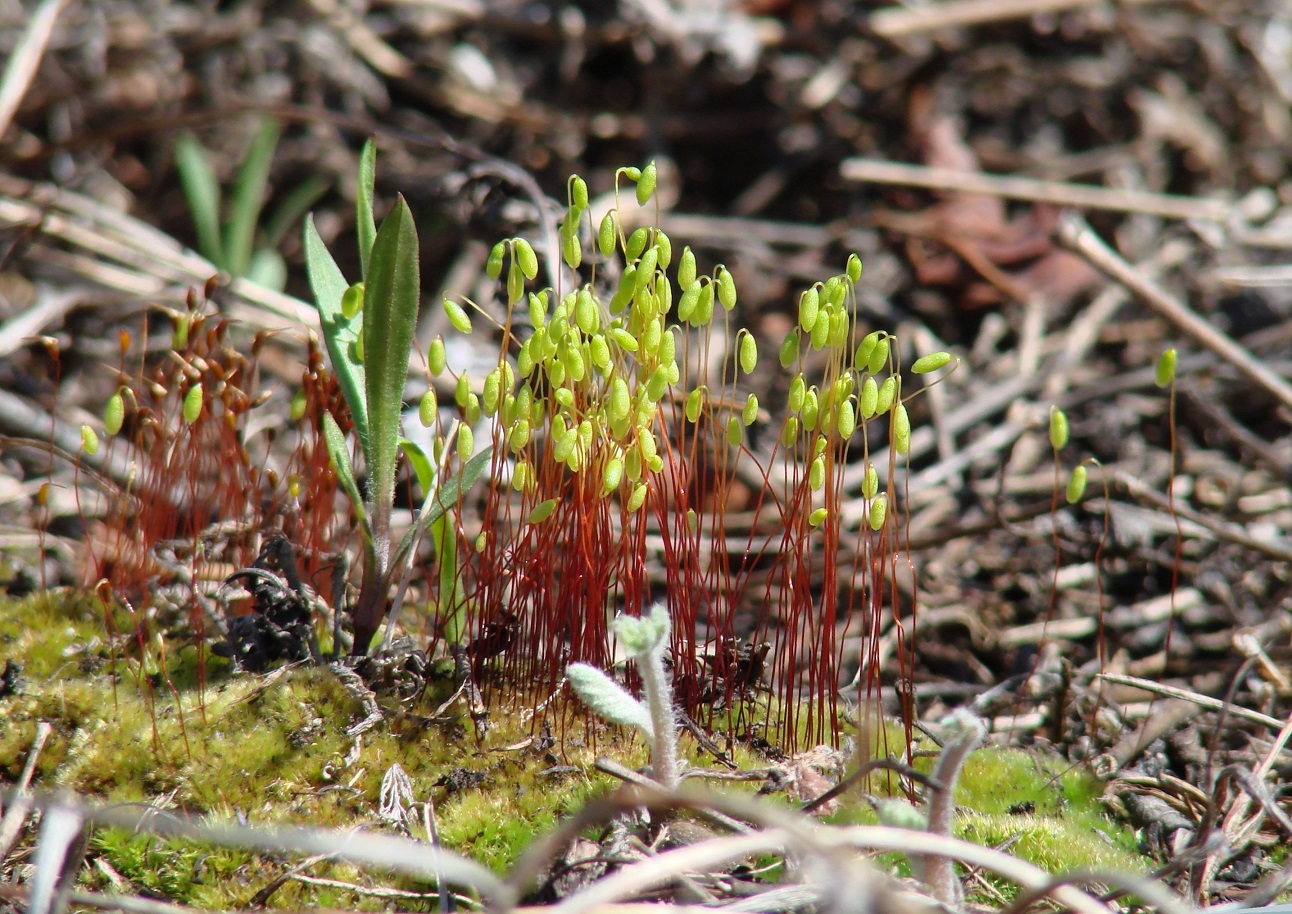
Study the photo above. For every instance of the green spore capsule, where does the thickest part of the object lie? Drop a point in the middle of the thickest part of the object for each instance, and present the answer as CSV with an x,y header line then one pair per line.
x,y
89,440
811,409
703,314
694,401
1076,484
820,335
878,356
816,474
878,512
192,404
519,436
466,441
809,309
612,476
667,346
114,412
183,323
657,383
457,315
887,394
847,420
870,485
686,268
665,248
620,401
790,350
572,251
522,477
790,431
854,268
835,292
606,235
931,362
646,183
492,391
646,267
653,337
585,312
515,282
436,359
575,367
542,511
1165,371
599,349
726,288
646,443
1058,428
352,301
868,404
838,327
865,349
901,430
525,359
428,408
735,432
538,309
689,301
817,517
462,390
297,413
637,242
638,498
798,390
750,412
748,352
625,290
578,192
493,266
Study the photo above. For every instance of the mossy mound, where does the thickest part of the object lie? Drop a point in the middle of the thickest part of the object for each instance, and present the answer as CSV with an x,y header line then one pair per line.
x,y
132,726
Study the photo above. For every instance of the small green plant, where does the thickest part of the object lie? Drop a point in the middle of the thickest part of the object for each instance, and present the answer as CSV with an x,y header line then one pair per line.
x,y
645,639
368,328
234,238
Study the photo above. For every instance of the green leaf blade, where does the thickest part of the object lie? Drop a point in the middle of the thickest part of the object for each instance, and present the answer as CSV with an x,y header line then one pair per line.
x,y
249,197
392,297
202,191
334,438
340,334
365,224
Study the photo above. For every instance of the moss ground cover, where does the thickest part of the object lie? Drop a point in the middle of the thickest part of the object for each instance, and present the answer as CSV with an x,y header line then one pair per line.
x,y
273,748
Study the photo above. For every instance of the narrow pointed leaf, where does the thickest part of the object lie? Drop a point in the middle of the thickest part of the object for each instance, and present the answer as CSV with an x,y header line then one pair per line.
x,y
392,294
365,225
421,463
340,334
442,500
340,454
202,191
249,197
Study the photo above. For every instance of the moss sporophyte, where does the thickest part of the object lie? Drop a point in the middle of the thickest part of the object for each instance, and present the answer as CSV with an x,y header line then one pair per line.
x,y
628,462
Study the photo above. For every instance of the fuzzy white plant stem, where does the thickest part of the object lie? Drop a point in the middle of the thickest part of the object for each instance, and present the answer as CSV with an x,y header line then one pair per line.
x,y
644,640
659,698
